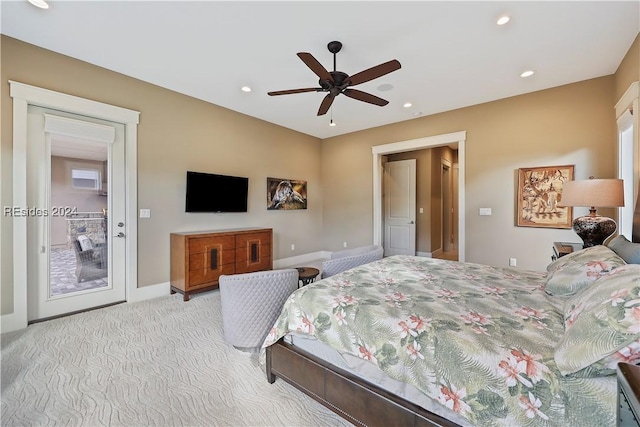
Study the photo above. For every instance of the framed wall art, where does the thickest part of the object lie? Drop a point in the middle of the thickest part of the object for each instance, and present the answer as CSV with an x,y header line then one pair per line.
x,y
539,193
285,194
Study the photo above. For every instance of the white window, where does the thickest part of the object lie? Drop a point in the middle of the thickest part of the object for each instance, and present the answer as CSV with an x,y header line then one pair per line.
x,y
86,179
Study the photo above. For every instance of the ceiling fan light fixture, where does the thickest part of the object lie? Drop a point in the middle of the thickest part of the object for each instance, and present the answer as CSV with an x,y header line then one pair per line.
x,y
332,123
503,20
42,4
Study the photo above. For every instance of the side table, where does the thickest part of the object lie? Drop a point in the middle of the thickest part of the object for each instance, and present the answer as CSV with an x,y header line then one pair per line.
x,y
628,395
307,275
561,249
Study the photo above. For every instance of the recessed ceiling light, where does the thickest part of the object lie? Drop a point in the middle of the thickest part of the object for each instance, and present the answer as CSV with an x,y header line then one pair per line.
x,y
42,4
527,73
245,89
407,104
503,20
385,87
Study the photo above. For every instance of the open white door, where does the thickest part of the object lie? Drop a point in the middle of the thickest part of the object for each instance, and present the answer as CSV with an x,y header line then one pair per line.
x,y
76,187
400,207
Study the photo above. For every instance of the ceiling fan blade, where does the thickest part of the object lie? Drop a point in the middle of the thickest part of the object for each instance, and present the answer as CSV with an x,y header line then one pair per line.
x,y
364,96
374,72
290,91
326,103
315,66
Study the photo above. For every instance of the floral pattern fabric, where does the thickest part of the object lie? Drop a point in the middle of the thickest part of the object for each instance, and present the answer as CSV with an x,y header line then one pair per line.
x,y
568,276
477,339
602,321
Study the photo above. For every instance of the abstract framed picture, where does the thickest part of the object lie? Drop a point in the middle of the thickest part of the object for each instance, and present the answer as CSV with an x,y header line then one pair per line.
x,y
539,193
286,194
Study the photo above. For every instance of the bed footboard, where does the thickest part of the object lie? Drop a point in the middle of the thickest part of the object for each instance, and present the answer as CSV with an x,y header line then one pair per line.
x,y
356,400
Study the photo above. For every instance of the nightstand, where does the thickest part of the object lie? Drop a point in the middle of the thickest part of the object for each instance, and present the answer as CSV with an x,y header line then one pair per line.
x,y
561,249
628,395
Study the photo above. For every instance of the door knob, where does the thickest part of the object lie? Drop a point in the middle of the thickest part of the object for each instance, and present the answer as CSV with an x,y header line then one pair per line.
x,y
120,234
410,222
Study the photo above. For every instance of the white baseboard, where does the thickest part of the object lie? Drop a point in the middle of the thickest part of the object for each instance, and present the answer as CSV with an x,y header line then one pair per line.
x,y
425,254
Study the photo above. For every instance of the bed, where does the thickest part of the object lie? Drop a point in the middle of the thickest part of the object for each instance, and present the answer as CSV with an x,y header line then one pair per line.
x,y
418,341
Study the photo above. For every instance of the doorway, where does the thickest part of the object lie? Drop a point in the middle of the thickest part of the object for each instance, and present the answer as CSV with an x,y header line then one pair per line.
x,y
455,140
75,170
447,237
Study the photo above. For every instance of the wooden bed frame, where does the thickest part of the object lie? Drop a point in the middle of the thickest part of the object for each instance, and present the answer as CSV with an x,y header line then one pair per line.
x,y
354,399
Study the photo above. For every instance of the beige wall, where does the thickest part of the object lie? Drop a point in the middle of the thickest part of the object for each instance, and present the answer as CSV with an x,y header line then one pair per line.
x,y
572,124
176,133
629,69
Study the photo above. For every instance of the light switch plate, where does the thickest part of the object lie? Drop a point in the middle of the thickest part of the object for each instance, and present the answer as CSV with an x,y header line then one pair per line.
x,y
485,211
145,213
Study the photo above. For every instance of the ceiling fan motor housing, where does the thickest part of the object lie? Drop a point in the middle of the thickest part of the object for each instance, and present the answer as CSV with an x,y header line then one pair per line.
x,y
339,79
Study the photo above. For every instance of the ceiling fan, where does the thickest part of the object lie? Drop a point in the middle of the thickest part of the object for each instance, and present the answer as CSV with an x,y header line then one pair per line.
x,y
337,82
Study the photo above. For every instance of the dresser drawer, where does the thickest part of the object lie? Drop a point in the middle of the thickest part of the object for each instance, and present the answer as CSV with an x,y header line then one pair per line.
x,y
205,244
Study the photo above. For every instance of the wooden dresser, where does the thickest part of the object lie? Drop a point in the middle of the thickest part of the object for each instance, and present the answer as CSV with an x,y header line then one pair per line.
x,y
198,258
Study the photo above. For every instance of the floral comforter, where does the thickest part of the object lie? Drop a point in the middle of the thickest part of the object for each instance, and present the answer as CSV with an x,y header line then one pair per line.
x,y
477,339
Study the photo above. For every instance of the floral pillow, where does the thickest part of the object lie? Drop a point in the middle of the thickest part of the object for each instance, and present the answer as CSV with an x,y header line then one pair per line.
x,y
571,273
600,321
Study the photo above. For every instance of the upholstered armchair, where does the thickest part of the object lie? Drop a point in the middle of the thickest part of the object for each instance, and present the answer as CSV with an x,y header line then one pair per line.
x,y
251,303
349,258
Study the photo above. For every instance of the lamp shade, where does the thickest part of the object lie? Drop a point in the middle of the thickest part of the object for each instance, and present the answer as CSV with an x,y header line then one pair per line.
x,y
601,193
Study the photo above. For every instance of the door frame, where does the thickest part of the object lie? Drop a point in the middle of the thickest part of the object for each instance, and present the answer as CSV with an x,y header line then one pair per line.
x,y
378,151
24,95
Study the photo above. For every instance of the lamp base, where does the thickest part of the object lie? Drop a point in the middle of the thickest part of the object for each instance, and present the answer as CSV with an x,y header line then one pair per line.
x,y
594,229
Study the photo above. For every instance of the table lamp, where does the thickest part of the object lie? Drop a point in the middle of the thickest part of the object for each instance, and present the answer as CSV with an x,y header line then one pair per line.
x,y
593,229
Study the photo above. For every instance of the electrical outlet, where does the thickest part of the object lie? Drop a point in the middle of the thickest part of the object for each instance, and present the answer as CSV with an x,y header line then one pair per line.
x,y
293,247
344,244
145,213
484,211
512,262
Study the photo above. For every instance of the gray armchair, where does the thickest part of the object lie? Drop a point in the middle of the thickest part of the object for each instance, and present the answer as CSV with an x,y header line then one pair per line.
x,y
251,303
349,258
91,261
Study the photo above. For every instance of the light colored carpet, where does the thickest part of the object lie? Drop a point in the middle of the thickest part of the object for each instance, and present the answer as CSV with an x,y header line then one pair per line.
x,y
161,362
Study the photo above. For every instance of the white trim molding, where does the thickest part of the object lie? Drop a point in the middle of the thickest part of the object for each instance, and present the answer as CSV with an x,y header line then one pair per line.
x,y
627,115
24,95
378,151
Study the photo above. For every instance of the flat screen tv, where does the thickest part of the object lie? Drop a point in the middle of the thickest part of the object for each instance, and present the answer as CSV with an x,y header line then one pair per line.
x,y
208,192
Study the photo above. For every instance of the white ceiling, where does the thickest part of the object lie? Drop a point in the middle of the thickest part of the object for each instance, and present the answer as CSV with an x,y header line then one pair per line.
x,y
452,53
